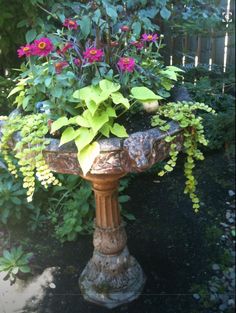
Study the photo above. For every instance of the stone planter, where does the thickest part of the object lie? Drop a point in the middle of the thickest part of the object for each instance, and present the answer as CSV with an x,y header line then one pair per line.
x,y
112,276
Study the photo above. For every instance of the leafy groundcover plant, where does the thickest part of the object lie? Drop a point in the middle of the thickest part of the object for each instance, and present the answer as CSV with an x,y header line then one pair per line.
x,y
14,262
101,61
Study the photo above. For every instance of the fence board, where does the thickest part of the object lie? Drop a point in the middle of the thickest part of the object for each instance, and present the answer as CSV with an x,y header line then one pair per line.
x,y
206,48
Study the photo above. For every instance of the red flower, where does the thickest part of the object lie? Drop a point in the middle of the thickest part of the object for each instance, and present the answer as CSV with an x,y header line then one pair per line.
x,y
70,24
25,51
77,62
125,28
93,55
149,37
126,64
42,47
59,66
139,45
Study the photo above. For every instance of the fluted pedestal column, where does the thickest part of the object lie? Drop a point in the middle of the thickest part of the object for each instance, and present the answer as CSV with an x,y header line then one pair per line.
x,y
112,277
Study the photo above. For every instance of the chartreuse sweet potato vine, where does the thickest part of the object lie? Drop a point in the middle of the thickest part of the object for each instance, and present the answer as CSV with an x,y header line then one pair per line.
x,y
28,150
193,132
100,106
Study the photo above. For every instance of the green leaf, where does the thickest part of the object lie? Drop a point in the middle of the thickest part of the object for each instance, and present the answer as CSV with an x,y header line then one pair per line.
x,y
68,135
170,74
25,269
87,156
118,98
137,27
105,130
111,12
56,92
108,87
165,13
62,121
124,198
48,81
119,130
169,138
82,93
16,200
129,216
81,121
144,94
85,136
184,124
174,68
97,121
85,26
168,168
30,35
166,83
26,101
111,112
7,255
92,106
92,96
15,90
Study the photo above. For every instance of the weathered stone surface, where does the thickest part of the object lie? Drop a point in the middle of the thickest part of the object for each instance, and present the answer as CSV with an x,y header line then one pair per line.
x,y
110,241
136,153
112,280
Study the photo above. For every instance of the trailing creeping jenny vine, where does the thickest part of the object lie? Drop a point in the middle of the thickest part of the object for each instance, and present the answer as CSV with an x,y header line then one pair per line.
x,y
33,129
184,114
28,151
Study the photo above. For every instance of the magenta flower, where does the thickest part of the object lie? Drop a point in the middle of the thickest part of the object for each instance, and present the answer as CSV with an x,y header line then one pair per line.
x,y
93,55
42,47
150,37
25,51
126,64
77,62
139,45
60,65
70,24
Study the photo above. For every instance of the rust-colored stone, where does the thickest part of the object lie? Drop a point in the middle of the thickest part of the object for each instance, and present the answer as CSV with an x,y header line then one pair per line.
x,y
106,196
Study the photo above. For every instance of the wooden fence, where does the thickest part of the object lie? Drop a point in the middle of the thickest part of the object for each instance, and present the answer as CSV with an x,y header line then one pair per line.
x,y
217,48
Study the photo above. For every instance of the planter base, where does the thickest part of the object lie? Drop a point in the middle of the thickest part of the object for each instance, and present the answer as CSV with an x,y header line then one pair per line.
x,y
112,280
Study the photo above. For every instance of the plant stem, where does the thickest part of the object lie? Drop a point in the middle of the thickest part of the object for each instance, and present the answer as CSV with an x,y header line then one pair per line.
x,y
48,12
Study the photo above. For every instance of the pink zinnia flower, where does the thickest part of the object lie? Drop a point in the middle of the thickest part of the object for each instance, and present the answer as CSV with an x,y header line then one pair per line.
x,y
150,37
126,64
77,62
139,45
60,65
125,28
93,55
42,47
24,51
70,24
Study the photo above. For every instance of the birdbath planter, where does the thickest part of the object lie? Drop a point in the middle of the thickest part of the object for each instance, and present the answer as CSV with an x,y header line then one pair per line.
x,y
112,277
